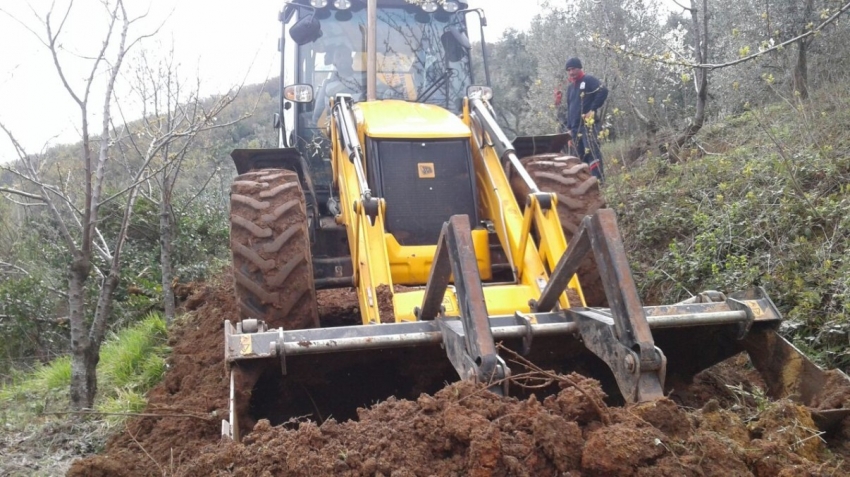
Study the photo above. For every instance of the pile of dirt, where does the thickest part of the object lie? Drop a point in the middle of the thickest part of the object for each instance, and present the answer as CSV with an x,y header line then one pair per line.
x,y
462,429
191,399
465,430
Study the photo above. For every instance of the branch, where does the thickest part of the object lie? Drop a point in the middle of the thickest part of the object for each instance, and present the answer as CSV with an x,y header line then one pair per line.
x,y
51,45
607,44
63,228
687,9
22,194
104,247
22,270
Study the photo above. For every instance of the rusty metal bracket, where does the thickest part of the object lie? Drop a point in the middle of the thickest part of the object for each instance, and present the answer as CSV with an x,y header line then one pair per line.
x,y
623,339
638,379
469,341
438,282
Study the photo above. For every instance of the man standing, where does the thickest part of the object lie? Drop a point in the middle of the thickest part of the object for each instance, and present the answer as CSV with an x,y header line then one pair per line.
x,y
585,95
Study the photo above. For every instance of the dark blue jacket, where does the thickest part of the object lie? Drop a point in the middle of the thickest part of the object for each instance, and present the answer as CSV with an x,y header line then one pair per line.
x,y
588,95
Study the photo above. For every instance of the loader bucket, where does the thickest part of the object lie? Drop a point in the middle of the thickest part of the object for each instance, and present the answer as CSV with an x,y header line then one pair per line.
x,y
638,353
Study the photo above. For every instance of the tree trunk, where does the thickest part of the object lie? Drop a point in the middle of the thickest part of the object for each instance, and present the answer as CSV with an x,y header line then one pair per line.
x,y
801,73
83,375
701,39
166,233
801,69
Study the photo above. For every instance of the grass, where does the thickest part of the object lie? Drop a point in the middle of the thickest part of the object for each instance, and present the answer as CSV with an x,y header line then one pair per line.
x,y
131,362
134,358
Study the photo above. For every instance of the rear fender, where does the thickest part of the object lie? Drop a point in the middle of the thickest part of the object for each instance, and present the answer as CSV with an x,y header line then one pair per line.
x,y
279,158
531,145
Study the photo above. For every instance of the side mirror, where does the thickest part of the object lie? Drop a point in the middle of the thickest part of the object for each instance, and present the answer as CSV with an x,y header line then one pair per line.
x,y
298,93
460,37
306,30
453,44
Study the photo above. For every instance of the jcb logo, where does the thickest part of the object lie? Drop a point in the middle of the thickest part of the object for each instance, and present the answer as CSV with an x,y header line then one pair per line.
x,y
426,170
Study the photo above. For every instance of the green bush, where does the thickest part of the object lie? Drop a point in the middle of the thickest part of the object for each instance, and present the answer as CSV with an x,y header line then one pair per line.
x,y
772,210
27,319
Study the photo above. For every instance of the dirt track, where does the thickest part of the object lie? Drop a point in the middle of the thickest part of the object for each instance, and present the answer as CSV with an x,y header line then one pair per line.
x,y
463,430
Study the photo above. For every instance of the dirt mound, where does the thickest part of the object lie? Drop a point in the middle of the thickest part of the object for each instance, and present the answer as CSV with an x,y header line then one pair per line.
x,y
191,399
464,430
461,430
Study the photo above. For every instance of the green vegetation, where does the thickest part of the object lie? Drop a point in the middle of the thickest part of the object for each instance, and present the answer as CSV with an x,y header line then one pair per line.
x,y
761,200
131,362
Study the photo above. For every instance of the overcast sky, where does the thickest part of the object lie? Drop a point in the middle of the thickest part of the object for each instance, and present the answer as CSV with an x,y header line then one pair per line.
x,y
225,42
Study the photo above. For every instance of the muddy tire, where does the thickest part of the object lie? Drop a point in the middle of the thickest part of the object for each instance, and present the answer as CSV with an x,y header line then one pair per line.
x,y
578,196
272,267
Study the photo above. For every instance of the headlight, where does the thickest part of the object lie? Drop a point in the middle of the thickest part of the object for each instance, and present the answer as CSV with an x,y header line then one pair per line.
x,y
429,6
298,93
318,3
451,7
482,92
342,4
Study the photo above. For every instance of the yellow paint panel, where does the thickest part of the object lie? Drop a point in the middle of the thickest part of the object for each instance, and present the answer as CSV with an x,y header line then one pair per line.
x,y
411,264
245,345
501,300
396,119
754,305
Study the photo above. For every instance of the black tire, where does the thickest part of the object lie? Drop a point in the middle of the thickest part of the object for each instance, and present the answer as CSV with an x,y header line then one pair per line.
x,y
578,196
272,267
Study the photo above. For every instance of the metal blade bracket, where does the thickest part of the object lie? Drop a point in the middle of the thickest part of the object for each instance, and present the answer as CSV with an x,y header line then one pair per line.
x,y
622,339
469,341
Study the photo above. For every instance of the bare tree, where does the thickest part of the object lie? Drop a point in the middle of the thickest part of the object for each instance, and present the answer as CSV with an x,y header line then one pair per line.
x,y
805,16
77,220
171,121
699,22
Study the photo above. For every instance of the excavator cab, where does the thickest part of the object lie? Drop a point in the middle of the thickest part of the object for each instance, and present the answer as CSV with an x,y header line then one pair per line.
x,y
419,58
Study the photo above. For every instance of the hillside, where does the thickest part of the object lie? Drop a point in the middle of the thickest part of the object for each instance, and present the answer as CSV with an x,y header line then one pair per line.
x,y
762,200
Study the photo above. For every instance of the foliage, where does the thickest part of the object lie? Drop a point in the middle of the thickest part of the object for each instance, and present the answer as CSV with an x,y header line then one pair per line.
x,y
133,358
513,78
27,319
770,210
641,49
33,311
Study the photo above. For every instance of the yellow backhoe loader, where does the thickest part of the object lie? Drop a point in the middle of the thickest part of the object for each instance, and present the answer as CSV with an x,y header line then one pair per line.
x,y
394,179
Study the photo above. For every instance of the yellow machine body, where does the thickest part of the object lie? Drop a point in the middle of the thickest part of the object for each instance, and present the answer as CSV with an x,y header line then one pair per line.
x,y
380,261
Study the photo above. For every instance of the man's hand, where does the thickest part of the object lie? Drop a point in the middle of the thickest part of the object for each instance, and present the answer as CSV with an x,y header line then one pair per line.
x,y
589,116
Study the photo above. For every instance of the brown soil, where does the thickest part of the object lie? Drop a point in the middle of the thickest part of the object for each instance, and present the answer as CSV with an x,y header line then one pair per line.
x,y
385,303
462,429
338,307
